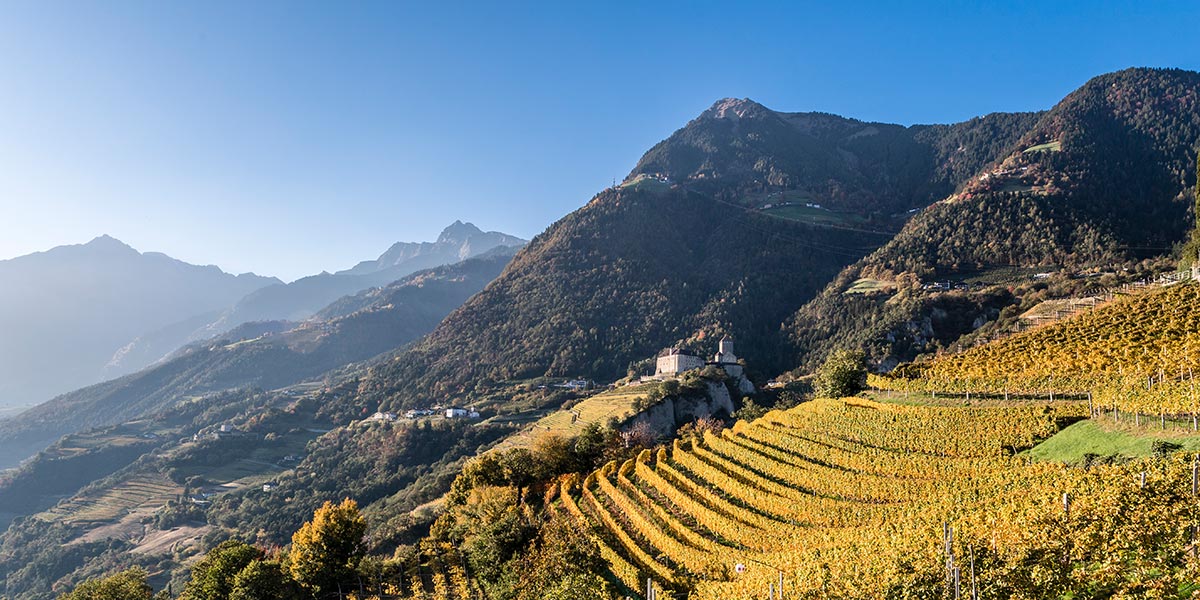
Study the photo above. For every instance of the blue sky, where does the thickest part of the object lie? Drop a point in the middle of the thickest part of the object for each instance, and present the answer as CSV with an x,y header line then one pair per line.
x,y
287,138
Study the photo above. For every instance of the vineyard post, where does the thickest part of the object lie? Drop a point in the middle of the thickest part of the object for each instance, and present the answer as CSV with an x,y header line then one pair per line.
x,y
1067,505
1142,480
1091,407
1195,481
948,548
974,586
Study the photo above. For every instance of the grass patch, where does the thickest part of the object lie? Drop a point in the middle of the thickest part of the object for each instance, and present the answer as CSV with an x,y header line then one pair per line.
x,y
805,214
1047,147
1091,437
612,404
646,183
868,286
1002,275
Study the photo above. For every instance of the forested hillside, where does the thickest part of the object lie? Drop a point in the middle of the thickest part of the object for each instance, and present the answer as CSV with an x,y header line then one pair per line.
x,y
633,271
1102,180
653,263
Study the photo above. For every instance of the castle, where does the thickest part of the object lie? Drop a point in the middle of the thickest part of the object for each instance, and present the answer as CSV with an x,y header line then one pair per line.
x,y
673,361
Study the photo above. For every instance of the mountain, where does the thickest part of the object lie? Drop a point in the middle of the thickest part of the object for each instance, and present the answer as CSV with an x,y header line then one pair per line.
x,y
740,151
1099,182
264,355
64,312
302,298
728,226
458,241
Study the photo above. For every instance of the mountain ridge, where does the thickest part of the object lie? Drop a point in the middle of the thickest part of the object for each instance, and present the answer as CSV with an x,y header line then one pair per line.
x,y
97,296
298,300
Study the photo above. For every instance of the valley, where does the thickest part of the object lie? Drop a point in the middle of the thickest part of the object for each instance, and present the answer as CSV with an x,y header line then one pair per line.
x,y
964,369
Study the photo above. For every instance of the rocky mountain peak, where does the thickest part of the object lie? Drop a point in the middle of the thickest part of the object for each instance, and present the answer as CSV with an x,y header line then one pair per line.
x,y
458,232
735,108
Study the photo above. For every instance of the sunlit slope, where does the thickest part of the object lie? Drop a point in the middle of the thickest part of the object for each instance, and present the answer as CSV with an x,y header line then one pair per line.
x,y
1137,353
847,498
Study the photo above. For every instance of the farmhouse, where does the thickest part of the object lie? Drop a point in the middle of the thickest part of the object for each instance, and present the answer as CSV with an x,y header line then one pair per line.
x,y
461,413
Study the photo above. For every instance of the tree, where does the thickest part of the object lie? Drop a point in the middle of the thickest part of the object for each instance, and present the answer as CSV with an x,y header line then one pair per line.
x,y
843,374
519,469
212,577
326,551
561,564
264,580
129,584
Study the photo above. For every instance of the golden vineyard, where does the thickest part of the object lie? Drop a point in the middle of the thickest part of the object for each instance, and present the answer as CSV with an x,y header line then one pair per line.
x,y
859,499
1137,354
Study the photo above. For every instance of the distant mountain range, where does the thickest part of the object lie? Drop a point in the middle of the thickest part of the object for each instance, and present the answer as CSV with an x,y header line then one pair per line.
x,y
302,298
77,315
261,354
65,311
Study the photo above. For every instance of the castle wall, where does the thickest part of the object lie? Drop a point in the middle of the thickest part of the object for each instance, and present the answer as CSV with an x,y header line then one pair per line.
x,y
677,363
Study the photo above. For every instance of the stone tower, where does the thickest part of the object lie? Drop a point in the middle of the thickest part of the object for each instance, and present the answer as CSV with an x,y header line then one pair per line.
x,y
725,354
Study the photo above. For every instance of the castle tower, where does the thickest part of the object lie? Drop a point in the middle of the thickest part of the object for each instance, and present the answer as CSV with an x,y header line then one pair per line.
x,y
725,354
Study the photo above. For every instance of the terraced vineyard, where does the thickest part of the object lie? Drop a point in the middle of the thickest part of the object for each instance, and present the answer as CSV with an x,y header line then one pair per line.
x,y
848,499
146,493
1137,354
438,572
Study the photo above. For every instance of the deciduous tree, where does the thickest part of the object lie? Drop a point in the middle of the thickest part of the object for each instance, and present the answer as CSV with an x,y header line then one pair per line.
x,y
326,551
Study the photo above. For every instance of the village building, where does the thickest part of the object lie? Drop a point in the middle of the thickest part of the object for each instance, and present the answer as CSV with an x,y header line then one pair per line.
x,y
383,416
461,413
575,384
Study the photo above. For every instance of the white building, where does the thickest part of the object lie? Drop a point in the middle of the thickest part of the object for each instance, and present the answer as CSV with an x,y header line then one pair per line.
x,y
674,361
461,413
575,384
383,416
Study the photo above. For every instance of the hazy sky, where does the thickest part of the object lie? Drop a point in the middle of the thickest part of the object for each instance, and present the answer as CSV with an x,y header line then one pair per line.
x,y
287,138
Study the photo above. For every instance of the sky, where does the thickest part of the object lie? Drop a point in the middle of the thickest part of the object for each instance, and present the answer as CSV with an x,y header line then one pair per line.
x,y
287,138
